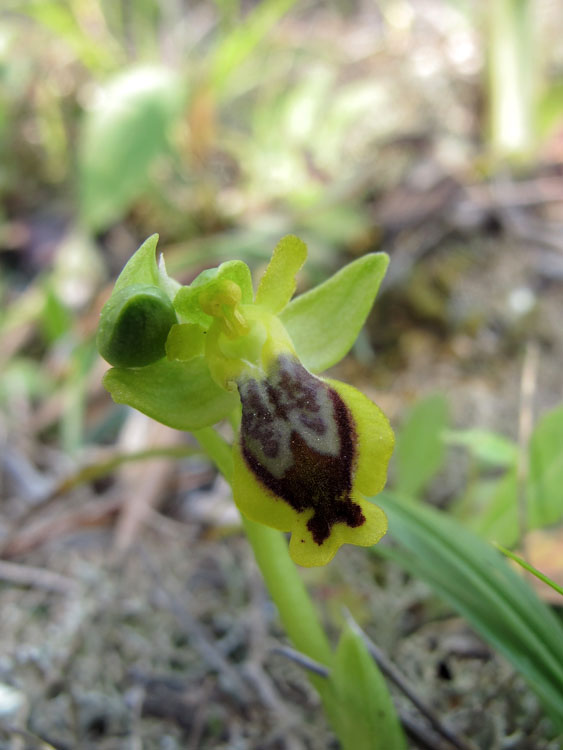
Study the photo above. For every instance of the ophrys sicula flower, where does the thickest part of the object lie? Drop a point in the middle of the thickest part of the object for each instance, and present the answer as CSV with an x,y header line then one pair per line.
x,y
309,449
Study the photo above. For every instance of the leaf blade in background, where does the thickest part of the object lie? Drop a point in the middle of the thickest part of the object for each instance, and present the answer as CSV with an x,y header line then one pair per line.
x,y
498,520
419,452
181,395
485,445
242,40
62,19
362,711
545,479
476,581
549,109
324,322
121,137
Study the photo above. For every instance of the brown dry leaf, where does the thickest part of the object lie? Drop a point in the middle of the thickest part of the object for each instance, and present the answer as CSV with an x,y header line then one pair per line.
x,y
543,548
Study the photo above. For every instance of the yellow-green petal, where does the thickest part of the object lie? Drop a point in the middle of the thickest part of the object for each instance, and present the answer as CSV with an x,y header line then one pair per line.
x,y
277,285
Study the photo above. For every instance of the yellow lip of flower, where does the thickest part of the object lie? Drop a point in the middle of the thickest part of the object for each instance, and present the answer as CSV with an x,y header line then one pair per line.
x,y
309,449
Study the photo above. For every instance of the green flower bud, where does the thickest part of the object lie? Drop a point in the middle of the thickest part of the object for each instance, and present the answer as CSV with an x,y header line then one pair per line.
x,y
134,326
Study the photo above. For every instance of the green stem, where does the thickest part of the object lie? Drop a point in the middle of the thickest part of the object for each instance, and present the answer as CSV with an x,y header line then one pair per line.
x,y
218,450
280,573
288,591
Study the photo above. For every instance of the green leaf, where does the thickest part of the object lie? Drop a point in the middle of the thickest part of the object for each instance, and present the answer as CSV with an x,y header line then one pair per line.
x,y
549,111
122,137
489,447
324,322
178,394
499,519
362,713
477,582
419,453
60,19
277,285
240,43
186,301
546,470
56,319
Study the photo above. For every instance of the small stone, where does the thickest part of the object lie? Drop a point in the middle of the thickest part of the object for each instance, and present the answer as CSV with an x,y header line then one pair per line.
x,y
12,701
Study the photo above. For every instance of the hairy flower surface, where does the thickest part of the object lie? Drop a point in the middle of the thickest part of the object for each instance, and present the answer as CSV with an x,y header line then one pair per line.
x,y
309,449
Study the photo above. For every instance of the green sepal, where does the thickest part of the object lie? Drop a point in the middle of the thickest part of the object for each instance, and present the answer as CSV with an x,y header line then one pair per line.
x,y
187,303
178,394
324,322
362,712
134,325
141,268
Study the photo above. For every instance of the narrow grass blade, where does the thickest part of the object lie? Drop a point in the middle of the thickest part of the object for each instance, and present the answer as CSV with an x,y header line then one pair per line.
x,y
530,568
478,583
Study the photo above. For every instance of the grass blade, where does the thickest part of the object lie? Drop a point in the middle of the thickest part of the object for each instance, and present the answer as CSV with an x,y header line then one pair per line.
x,y
477,582
530,568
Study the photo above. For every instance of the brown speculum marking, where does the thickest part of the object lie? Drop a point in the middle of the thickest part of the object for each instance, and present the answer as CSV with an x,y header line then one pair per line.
x,y
298,438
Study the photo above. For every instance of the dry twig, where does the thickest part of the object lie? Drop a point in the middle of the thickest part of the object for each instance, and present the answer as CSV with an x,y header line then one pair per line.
x,y
26,575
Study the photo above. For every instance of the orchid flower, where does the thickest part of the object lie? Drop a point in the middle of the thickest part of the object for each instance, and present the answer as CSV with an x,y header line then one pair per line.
x,y
309,449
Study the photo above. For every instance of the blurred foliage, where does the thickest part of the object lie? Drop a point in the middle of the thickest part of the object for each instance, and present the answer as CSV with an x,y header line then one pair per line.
x,y
441,547
135,106
474,579
419,451
208,121
224,125
496,503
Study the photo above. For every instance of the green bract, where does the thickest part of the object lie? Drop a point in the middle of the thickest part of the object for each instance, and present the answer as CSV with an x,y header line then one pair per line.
x,y
309,449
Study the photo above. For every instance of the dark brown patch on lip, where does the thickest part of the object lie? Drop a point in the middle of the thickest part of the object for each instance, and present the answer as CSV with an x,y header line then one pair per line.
x,y
314,478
